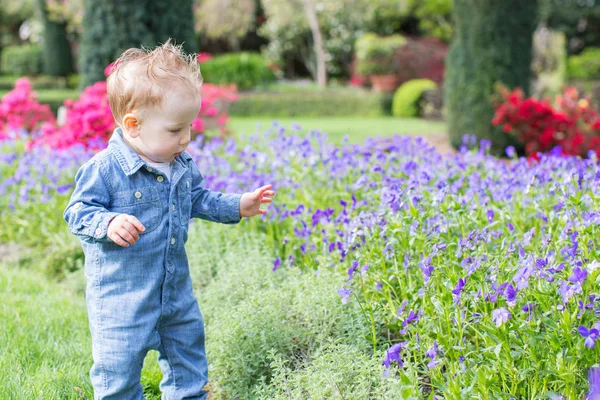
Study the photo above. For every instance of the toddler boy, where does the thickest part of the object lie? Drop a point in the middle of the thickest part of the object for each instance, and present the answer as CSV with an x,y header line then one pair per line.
x,y
131,207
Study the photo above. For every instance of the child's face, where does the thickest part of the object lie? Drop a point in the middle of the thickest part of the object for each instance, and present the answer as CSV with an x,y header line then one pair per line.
x,y
162,133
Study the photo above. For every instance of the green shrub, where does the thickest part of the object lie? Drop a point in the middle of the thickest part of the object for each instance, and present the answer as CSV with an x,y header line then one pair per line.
x,y
22,60
375,54
246,70
111,27
56,98
492,43
7,82
407,97
310,104
252,313
337,371
585,66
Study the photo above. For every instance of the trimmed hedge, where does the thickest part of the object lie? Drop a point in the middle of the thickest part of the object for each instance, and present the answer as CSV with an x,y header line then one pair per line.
x,y
7,82
53,97
407,97
22,60
492,43
246,70
312,104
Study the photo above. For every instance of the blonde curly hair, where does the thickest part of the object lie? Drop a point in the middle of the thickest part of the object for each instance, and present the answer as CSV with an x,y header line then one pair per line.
x,y
139,78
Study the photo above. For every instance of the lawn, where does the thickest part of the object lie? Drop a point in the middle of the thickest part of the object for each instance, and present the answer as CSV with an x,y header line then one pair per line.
x,y
358,129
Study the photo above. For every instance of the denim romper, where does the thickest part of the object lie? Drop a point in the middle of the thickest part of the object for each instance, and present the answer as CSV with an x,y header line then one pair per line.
x,y
141,297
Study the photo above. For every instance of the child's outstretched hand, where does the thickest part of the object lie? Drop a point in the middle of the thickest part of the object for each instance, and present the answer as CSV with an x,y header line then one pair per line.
x,y
250,202
123,230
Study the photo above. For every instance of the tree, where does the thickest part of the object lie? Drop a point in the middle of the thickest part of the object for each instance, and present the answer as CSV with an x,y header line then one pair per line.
x,y
492,43
112,26
58,59
12,14
226,19
321,32
579,20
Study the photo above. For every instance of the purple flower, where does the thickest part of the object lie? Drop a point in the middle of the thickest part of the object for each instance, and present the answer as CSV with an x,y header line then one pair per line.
x,y
511,295
490,215
393,354
590,336
510,151
567,291
594,380
578,275
64,189
528,308
378,286
352,269
432,354
345,293
458,289
276,264
500,316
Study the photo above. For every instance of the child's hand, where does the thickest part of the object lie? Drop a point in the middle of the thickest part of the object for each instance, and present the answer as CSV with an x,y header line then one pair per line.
x,y
250,202
123,230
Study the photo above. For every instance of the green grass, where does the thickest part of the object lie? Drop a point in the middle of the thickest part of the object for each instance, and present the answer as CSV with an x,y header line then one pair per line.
x,y
357,129
45,346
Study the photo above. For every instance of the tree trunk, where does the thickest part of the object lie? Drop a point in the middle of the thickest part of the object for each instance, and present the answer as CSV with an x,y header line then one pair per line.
x,y
313,22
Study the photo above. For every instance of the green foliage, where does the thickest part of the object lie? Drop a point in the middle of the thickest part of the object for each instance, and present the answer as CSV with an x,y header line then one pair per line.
x,y
58,59
435,17
492,43
549,64
340,23
577,19
7,82
585,66
407,97
326,103
219,19
337,371
252,313
375,54
22,60
110,27
14,12
246,70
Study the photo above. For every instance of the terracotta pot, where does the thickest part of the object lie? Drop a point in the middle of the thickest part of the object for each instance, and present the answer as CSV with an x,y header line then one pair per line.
x,y
384,83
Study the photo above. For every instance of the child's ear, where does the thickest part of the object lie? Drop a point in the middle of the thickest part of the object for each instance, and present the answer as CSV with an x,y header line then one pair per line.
x,y
131,124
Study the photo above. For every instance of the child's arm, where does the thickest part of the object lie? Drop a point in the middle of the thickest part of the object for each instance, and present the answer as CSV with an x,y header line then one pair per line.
x,y
213,206
86,213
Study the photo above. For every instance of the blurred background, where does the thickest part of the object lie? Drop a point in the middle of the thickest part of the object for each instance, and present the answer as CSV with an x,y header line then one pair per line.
x,y
347,67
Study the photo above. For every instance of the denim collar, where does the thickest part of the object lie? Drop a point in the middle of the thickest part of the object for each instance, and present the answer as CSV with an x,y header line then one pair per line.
x,y
128,159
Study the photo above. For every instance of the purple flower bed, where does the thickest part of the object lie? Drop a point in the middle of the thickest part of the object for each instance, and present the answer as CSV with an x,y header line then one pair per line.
x,y
479,276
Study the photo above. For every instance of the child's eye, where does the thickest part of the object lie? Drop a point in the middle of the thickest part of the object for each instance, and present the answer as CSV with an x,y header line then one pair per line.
x,y
175,130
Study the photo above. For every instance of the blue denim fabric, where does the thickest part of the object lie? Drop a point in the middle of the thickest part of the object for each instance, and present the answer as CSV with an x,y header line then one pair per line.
x,y
141,297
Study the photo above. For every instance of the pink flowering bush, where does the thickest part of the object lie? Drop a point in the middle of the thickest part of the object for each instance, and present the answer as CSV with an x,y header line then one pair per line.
x,y
89,121
21,112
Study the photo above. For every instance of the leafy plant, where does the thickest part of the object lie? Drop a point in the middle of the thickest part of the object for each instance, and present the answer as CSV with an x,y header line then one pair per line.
x,y
375,54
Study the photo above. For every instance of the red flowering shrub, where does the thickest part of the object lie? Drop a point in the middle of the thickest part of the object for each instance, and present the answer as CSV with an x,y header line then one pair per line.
x,y
541,126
